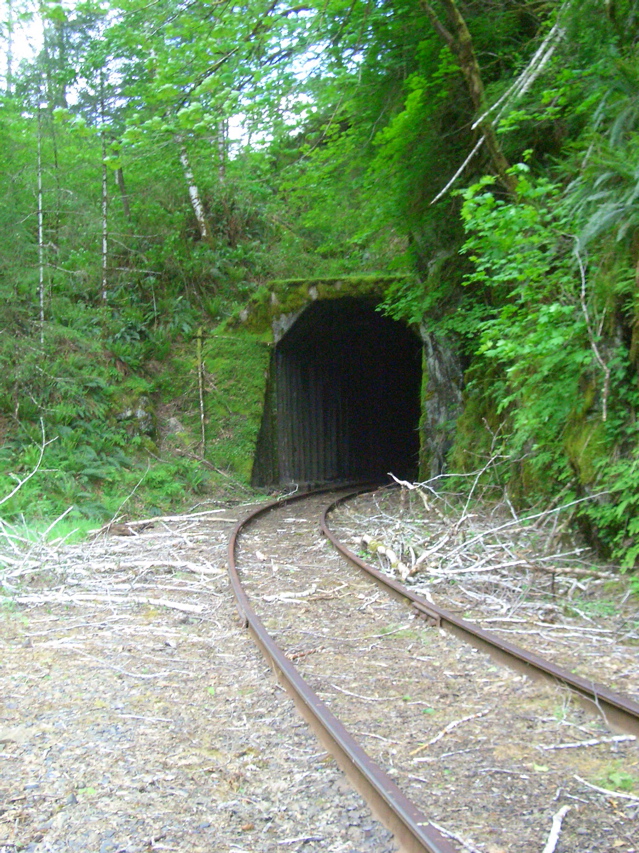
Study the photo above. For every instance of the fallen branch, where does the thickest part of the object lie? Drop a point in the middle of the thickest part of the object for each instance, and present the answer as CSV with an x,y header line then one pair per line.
x,y
468,845
148,522
447,729
147,565
555,830
365,698
591,742
607,791
522,522
85,598
592,337
43,446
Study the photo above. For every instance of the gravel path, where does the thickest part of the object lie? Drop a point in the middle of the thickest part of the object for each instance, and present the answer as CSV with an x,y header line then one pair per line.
x,y
135,715
481,750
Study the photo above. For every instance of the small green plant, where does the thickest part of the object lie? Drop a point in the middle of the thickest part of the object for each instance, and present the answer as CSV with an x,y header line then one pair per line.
x,y
622,780
599,607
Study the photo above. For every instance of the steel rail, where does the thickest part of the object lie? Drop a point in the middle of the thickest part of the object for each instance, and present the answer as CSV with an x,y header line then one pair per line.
x,y
619,712
412,829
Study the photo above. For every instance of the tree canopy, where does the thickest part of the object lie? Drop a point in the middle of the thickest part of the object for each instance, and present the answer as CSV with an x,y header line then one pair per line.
x,y
159,161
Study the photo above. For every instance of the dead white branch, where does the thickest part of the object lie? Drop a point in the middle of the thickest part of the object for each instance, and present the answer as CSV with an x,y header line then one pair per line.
x,y
467,845
43,446
149,522
85,598
591,742
592,337
364,698
459,171
531,72
607,791
555,830
448,729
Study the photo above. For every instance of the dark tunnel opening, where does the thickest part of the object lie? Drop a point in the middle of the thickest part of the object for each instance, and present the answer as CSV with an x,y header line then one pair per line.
x,y
343,401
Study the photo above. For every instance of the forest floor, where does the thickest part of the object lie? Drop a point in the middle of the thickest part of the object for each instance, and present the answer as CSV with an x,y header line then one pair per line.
x,y
136,714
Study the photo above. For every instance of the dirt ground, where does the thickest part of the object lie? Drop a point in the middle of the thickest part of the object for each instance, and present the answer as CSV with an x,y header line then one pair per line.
x,y
136,715
487,754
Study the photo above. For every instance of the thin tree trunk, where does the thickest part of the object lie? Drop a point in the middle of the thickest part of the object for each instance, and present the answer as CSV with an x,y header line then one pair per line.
x,y
40,230
194,193
460,42
52,102
200,382
124,196
9,72
222,139
105,198
105,223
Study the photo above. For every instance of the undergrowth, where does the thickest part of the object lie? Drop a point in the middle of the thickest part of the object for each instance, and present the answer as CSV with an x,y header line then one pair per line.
x,y
84,428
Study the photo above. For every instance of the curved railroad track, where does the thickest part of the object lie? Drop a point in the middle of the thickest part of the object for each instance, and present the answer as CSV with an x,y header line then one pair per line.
x,y
407,688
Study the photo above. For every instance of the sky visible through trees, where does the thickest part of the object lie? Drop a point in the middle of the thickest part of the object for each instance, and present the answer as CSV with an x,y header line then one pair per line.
x,y
161,161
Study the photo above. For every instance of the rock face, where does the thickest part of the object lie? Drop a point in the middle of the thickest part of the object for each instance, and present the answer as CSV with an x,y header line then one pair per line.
x,y
441,402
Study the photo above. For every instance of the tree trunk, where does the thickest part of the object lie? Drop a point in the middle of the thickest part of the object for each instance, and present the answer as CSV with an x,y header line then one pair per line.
x,y
105,196
460,42
105,222
124,196
222,145
9,71
194,193
40,230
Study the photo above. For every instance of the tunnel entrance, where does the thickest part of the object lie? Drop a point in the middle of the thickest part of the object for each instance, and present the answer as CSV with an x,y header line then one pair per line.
x,y
343,398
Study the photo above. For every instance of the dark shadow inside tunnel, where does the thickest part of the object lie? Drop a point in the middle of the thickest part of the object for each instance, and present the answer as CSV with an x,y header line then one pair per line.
x,y
343,398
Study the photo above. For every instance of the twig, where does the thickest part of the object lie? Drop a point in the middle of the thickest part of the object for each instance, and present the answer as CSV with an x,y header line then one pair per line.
x,y
447,729
128,497
200,382
143,675
443,191
467,844
607,791
43,446
591,742
53,523
99,598
591,337
365,698
553,838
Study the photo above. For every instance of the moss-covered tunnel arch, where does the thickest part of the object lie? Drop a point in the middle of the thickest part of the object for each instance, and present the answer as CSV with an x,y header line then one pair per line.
x,y
312,383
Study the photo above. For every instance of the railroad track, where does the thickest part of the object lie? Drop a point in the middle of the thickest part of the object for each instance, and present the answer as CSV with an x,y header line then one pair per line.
x,y
363,669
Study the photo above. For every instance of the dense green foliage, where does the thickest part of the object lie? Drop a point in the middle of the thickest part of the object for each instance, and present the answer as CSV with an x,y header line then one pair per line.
x,y
189,153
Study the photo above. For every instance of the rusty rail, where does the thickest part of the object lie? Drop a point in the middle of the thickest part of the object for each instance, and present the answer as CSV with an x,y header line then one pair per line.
x,y
618,711
412,830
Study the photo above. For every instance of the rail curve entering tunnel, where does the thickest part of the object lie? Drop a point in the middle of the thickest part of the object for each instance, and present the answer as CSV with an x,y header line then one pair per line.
x,y
343,398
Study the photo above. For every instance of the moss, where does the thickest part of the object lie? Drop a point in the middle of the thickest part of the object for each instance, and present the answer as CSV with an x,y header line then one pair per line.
x,y
237,368
288,296
424,453
586,446
585,436
474,432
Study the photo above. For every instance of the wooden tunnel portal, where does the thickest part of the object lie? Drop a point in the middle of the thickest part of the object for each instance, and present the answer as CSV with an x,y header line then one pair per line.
x,y
343,398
